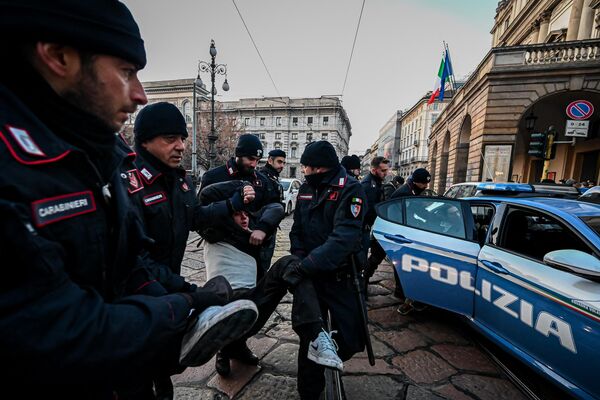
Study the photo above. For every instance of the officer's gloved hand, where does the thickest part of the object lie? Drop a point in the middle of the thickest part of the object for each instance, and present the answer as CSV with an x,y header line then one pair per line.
x,y
292,274
216,292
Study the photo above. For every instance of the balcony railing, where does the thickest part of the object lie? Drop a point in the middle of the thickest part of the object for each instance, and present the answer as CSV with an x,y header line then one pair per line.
x,y
548,53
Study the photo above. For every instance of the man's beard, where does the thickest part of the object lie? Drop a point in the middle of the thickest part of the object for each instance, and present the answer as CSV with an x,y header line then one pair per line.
x,y
244,169
87,96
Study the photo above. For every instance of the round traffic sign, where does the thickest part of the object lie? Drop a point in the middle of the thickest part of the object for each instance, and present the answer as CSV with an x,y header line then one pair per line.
x,y
580,109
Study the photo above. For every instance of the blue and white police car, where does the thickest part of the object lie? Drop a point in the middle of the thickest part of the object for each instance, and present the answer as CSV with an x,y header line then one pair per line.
x,y
525,271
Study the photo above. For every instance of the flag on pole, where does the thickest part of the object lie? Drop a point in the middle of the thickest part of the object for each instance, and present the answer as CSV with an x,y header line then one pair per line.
x,y
444,74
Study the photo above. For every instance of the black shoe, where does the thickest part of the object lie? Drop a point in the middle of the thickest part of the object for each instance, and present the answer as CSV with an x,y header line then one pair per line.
x,y
163,388
243,354
222,364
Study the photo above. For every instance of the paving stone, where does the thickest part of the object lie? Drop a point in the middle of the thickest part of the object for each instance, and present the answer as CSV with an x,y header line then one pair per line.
x,y
419,393
195,374
273,320
361,366
403,340
465,357
376,278
388,283
261,346
423,367
388,317
240,375
190,393
376,290
487,388
380,349
448,391
287,298
285,310
271,387
440,332
372,387
190,265
381,301
283,359
385,267
283,330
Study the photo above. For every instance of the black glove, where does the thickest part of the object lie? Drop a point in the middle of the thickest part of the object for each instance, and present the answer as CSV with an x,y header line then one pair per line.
x,y
216,292
292,274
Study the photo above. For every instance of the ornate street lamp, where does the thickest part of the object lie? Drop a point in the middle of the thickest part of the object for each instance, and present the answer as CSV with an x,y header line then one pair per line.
x,y
214,69
530,121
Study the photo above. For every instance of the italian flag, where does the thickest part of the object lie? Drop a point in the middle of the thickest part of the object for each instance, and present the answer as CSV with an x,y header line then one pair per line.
x,y
444,73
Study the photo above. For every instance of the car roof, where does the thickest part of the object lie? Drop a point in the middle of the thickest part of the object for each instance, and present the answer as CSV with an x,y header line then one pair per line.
x,y
289,179
568,206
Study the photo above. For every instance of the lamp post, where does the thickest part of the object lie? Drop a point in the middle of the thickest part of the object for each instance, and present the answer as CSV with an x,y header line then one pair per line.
x,y
214,69
197,82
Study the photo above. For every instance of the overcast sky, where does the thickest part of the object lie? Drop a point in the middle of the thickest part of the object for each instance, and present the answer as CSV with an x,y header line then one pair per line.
x,y
306,45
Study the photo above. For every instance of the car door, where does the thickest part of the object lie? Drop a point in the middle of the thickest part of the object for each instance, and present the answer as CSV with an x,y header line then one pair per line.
x,y
430,241
548,317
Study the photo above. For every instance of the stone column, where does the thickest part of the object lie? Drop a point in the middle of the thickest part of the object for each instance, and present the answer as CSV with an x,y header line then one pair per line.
x,y
535,28
574,20
587,21
544,24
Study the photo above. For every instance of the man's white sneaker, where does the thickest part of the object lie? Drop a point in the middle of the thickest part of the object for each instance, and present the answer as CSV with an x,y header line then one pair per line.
x,y
217,326
323,351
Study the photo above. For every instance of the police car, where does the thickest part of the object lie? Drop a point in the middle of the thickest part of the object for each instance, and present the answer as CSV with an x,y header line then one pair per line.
x,y
525,271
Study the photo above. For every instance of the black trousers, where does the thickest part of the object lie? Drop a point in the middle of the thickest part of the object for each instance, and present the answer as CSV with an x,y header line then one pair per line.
x,y
268,294
338,296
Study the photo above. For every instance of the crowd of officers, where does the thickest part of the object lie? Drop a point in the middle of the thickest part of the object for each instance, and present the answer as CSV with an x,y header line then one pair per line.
x,y
93,233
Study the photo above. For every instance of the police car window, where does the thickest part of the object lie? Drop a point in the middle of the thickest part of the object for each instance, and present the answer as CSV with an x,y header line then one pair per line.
x,y
391,211
452,192
436,215
482,217
465,191
592,222
533,234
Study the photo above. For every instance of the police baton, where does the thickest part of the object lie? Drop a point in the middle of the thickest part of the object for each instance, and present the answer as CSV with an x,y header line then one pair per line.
x,y
363,312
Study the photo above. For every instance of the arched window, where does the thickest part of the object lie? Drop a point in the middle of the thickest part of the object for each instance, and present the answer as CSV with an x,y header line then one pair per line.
x,y
187,111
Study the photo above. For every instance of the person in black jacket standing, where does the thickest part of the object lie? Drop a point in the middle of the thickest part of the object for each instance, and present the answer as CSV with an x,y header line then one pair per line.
x,y
373,186
272,169
352,165
327,231
70,235
168,200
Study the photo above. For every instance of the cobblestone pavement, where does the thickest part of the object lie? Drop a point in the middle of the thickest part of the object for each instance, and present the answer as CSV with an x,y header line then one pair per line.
x,y
425,356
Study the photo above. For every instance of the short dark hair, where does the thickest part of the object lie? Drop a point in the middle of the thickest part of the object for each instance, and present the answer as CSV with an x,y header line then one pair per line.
x,y
377,161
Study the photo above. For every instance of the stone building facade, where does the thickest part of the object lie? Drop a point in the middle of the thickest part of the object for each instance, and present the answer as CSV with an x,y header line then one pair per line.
x,y
389,138
415,128
545,55
290,124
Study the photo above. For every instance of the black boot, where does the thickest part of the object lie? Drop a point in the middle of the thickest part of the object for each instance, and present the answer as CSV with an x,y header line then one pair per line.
x,y
222,364
243,354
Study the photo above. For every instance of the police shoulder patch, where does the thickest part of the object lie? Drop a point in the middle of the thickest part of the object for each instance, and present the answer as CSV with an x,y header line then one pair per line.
x,y
134,182
355,206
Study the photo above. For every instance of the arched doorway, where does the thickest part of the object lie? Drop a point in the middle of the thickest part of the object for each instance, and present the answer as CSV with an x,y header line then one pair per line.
x,y
580,161
433,163
462,152
441,188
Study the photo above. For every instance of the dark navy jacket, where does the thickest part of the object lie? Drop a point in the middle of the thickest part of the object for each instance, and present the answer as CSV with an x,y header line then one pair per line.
x,y
374,191
266,190
171,210
273,175
328,223
64,319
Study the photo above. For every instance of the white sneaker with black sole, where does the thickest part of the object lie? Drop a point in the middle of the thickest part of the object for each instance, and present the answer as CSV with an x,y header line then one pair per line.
x,y
217,326
323,351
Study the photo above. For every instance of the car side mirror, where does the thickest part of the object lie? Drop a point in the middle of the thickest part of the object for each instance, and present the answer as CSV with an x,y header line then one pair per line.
x,y
576,261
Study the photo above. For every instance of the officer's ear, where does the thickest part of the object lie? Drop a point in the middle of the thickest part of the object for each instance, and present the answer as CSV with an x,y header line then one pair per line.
x,y
60,65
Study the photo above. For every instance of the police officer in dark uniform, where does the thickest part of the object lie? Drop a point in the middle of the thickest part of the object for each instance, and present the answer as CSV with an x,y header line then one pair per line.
x,y
390,187
168,200
352,165
272,169
69,232
373,186
327,230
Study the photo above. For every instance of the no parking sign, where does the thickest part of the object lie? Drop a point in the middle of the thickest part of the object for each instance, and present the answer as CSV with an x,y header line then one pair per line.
x,y
580,109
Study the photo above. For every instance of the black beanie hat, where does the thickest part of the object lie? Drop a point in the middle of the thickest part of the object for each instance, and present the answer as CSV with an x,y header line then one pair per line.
x,y
277,153
159,119
100,26
248,146
421,175
319,154
351,162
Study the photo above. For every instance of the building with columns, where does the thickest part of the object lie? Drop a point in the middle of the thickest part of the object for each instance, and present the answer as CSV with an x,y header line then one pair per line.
x,y
290,124
545,54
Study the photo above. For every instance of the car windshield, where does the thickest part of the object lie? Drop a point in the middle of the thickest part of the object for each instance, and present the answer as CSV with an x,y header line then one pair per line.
x,y
285,184
593,222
